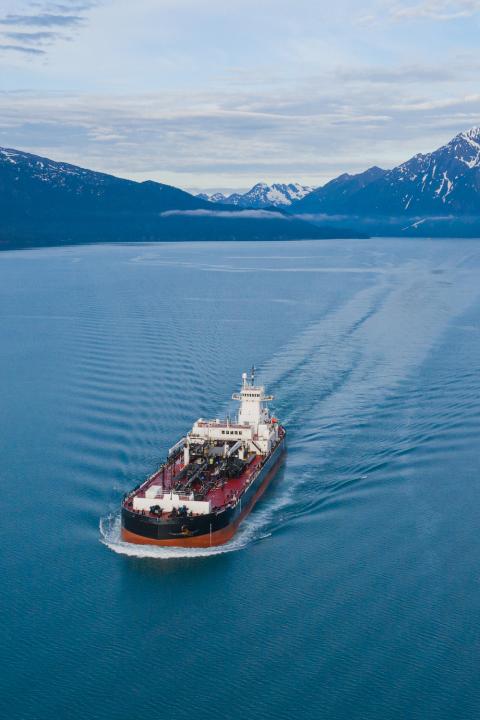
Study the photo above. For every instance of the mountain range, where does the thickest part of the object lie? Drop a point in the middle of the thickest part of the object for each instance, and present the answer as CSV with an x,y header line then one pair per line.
x,y
436,193
44,202
262,195
48,202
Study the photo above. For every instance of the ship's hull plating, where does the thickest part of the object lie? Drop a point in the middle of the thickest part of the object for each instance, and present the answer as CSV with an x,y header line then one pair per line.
x,y
204,530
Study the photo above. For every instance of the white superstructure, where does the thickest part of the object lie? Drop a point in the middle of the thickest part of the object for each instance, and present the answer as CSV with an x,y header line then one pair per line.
x,y
253,430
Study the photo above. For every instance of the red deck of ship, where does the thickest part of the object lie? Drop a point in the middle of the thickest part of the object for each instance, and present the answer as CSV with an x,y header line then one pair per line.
x,y
218,496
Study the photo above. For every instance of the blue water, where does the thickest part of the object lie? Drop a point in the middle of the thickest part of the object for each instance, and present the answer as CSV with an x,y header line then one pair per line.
x,y
353,589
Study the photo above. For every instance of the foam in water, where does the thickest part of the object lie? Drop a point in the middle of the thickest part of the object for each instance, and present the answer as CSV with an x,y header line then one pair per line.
x,y
252,530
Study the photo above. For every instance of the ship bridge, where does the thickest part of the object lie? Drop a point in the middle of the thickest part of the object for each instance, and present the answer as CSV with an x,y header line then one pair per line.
x,y
253,409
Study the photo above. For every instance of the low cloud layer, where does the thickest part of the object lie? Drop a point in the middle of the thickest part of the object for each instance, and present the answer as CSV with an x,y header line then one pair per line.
x,y
229,214
322,217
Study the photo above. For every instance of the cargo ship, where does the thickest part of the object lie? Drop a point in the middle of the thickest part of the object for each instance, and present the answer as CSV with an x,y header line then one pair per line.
x,y
211,479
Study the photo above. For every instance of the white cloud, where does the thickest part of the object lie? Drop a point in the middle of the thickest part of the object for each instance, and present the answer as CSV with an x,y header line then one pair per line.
x,y
41,23
210,139
229,214
437,10
199,95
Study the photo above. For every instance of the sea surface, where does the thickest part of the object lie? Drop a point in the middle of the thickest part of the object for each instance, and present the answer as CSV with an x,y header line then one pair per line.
x,y
352,591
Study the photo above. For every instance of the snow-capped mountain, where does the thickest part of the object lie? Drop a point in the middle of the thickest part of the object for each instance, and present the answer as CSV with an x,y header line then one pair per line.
x,y
445,182
442,182
215,197
27,177
44,202
262,195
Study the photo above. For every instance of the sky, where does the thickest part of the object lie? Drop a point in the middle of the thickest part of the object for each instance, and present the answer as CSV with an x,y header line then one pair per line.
x,y
218,95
